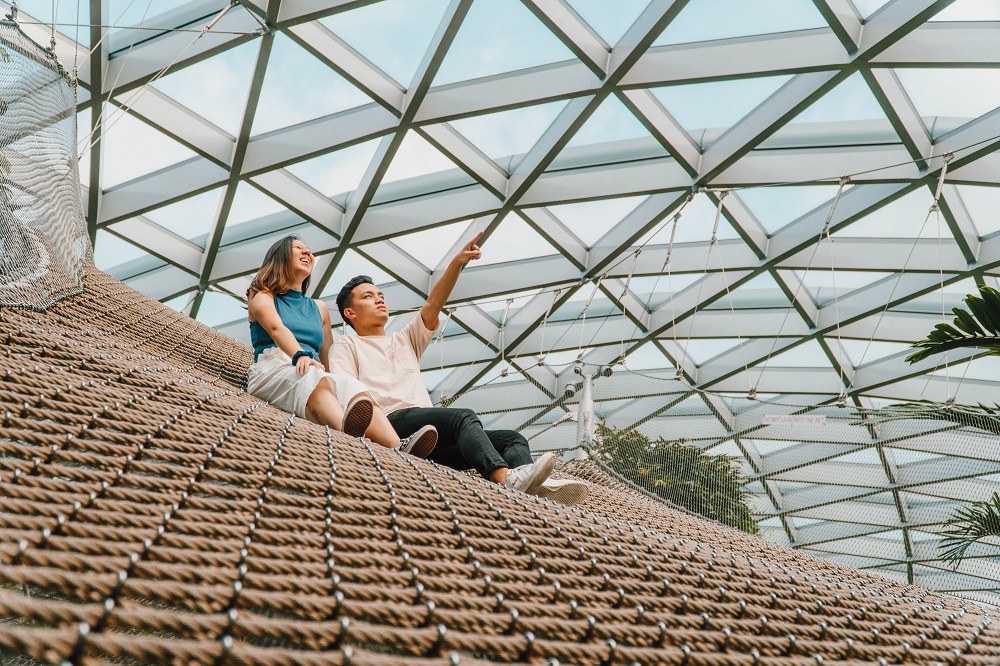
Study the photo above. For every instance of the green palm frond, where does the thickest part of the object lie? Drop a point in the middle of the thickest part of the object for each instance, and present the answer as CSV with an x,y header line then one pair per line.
x,y
976,416
979,326
967,526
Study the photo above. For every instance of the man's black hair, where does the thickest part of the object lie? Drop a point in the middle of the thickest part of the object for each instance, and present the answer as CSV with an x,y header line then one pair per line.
x,y
344,297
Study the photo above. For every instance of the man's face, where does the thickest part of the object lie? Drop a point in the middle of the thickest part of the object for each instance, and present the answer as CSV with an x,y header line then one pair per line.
x,y
368,305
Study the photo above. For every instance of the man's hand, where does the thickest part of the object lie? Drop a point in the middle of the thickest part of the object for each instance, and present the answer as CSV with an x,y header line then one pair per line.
x,y
470,251
442,290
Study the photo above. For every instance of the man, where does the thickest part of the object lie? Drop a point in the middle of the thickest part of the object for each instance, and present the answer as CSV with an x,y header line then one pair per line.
x,y
390,367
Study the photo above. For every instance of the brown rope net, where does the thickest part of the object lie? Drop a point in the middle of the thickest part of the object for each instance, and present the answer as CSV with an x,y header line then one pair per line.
x,y
153,512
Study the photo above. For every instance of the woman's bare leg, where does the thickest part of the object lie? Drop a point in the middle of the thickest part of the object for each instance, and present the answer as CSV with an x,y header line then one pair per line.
x,y
324,407
381,431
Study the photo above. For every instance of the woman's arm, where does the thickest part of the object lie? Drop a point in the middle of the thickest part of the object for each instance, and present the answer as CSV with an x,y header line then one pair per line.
x,y
327,334
262,310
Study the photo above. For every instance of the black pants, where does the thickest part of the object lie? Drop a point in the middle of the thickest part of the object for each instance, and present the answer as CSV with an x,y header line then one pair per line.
x,y
462,442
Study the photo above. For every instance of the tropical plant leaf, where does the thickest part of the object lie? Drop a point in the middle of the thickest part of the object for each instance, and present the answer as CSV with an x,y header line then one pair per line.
x,y
968,525
981,416
981,311
979,326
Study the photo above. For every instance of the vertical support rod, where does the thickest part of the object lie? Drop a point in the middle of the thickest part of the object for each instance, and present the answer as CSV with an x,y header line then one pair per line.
x,y
585,413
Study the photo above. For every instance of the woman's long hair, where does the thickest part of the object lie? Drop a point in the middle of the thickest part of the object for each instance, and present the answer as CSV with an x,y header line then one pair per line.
x,y
276,272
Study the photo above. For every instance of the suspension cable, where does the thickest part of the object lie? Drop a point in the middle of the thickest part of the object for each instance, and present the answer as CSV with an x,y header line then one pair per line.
x,y
934,208
622,302
583,317
541,350
825,232
729,294
126,106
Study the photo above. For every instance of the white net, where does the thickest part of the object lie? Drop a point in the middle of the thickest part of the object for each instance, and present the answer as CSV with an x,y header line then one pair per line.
x,y
43,234
874,489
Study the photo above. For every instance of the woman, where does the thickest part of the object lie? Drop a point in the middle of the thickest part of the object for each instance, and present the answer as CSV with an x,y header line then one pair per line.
x,y
290,333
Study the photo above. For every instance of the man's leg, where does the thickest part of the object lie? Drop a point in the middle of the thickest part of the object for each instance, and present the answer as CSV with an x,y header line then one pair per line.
x,y
462,442
512,447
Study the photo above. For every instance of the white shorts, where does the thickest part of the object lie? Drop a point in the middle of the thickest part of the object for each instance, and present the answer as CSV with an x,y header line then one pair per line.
x,y
272,377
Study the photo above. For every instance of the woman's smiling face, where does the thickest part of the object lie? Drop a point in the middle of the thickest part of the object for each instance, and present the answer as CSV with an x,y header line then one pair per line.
x,y
302,259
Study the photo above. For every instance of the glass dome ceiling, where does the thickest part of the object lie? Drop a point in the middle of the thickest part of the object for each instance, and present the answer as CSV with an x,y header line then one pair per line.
x,y
572,132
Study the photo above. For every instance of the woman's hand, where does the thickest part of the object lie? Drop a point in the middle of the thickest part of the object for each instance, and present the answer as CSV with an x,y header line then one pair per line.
x,y
304,363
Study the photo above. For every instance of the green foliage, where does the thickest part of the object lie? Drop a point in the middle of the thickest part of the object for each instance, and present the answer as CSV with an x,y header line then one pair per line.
x,y
979,326
981,416
968,525
711,486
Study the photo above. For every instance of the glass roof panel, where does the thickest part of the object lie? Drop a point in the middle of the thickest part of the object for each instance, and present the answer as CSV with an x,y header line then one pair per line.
x,y
392,34
983,204
508,133
654,291
938,300
180,303
129,14
867,351
703,350
722,19
986,368
83,146
716,104
957,94
905,217
298,87
850,100
610,122
590,220
215,88
826,285
759,292
647,357
431,246
969,10
861,457
696,224
352,264
217,308
497,37
338,173
609,20
868,7
416,157
514,239
72,21
111,251
132,148
250,203
774,207
806,355
190,218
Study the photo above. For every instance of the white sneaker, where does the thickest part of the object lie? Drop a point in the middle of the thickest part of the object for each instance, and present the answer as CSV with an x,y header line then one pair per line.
x,y
421,443
564,491
528,478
